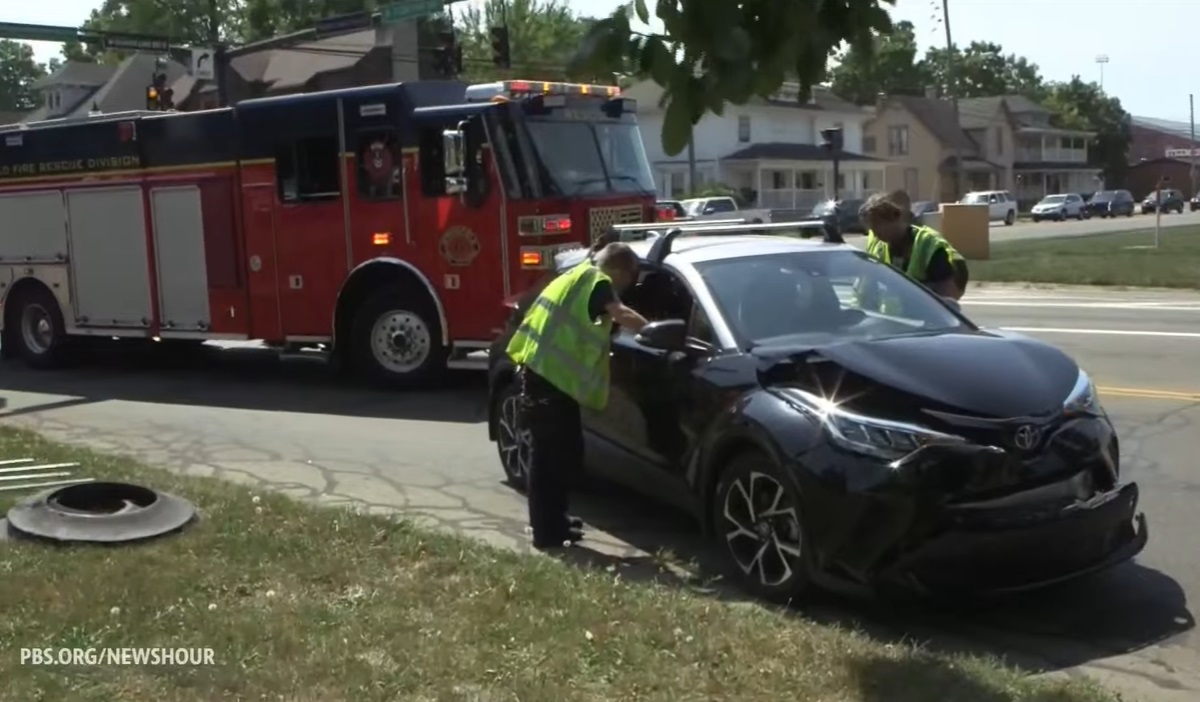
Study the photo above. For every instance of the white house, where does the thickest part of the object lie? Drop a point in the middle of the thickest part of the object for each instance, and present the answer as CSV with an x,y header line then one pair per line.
x,y
768,149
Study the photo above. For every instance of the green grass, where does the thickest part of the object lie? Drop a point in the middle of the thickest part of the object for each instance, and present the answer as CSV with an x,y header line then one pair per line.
x,y
306,604
1099,259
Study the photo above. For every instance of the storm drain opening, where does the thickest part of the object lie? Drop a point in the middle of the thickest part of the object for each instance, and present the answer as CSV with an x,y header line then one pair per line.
x,y
100,512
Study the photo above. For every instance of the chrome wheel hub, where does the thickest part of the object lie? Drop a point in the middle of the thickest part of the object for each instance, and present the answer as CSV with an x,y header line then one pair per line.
x,y
400,341
514,442
37,331
762,529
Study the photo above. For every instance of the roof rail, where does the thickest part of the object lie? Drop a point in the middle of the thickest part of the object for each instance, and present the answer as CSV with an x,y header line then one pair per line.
x,y
661,248
644,230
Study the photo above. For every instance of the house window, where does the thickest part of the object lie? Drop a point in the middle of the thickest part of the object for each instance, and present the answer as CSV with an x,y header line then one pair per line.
x,y
808,180
307,169
898,140
743,129
999,142
868,145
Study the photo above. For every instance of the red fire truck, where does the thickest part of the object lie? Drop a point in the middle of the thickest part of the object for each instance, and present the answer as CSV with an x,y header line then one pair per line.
x,y
384,224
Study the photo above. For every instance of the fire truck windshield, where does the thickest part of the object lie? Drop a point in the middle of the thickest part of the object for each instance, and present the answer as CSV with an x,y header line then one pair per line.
x,y
592,157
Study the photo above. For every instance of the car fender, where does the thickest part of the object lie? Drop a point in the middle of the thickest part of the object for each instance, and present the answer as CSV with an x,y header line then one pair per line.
x,y
758,421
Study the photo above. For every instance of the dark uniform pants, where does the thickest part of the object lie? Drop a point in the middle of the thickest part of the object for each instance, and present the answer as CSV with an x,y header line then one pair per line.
x,y
555,422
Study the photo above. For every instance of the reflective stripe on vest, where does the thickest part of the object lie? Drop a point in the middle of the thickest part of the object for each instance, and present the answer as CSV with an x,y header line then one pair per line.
x,y
558,341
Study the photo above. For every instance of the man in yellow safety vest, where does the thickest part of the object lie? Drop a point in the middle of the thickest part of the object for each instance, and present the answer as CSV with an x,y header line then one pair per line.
x,y
920,252
562,351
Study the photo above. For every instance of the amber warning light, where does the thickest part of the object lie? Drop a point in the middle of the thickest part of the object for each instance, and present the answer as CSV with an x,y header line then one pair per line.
x,y
381,238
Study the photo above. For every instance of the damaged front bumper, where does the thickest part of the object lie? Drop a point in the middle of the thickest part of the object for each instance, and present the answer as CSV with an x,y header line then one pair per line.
x,y
976,519
1001,548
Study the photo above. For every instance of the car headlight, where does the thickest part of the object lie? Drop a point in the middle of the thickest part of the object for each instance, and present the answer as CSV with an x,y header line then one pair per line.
x,y
1083,398
871,436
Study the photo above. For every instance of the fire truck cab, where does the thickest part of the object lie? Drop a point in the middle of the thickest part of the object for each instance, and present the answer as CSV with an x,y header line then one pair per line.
x,y
385,224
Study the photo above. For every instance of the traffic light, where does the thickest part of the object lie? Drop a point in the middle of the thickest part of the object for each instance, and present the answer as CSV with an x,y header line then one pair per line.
x,y
501,50
448,55
831,139
158,95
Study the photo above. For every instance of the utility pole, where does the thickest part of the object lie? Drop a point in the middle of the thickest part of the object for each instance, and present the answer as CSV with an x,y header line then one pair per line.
x,y
952,86
1101,60
1192,146
692,165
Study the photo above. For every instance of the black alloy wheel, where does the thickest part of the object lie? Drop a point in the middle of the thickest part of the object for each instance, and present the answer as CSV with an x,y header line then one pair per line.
x,y
758,528
514,443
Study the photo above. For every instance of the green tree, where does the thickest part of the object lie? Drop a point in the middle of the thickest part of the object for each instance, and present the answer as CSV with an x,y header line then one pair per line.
x,y
542,36
1082,105
891,68
984,70
727,51
18,72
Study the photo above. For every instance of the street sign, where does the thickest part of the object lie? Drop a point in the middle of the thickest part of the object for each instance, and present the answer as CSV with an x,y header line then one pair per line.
x,y
341,24
136,44
410,10
202,64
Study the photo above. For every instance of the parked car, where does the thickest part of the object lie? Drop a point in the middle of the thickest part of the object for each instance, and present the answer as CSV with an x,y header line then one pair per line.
x,y
1059,208
922,208
842,213
820,443
1171,201
674,206
1001,204
722,208
1195,203
1111,203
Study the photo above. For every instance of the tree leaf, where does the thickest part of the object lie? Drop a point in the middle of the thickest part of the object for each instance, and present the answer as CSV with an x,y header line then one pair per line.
x,y
676,125
643,12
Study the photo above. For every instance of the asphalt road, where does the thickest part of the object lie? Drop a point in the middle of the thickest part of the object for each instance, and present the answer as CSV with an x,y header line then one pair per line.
x,y
1023,230
241,415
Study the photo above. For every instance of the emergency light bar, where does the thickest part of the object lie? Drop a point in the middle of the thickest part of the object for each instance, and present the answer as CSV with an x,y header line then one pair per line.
x,y
516,89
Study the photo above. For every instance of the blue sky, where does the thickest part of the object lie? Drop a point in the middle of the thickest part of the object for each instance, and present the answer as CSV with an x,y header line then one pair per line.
x,y
1063,37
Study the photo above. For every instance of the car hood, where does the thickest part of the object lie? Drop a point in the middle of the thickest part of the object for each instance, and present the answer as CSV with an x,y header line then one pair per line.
x,y
985,373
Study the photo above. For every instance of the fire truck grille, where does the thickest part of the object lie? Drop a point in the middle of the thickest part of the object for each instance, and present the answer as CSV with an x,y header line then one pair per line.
x,y
601,218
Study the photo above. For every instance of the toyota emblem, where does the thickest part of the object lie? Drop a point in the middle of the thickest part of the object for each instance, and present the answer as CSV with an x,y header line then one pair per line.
x,y
1026,437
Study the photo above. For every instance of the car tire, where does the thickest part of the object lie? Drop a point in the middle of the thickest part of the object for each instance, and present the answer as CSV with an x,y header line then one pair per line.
x,y
513,443
758,531
40,335
416,359
1036,219
1010,218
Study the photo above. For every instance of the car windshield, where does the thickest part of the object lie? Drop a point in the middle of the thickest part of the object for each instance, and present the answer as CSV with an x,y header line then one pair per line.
x,y
975,199
816,298
693,206
1103,196
592,157
1053,199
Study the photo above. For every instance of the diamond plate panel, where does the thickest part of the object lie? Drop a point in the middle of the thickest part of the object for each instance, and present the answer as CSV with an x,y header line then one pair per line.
x,y
601,218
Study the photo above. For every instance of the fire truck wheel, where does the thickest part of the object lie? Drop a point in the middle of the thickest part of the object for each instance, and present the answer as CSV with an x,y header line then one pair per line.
x,y
396,339
41,335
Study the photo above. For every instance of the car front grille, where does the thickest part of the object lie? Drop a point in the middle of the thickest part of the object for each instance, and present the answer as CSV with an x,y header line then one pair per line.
x,y
601,218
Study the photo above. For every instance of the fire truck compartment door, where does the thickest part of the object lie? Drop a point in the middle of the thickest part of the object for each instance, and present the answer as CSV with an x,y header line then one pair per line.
x,y
35,229
181,265
108,257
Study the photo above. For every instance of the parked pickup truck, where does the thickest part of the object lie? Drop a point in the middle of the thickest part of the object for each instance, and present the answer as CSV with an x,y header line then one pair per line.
x,y
722,208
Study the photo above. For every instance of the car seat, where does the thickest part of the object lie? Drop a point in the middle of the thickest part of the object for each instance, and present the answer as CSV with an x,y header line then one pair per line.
x,y
777,303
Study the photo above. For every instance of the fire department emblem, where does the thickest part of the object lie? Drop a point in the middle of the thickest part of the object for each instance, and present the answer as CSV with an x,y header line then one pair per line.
x,y
459,246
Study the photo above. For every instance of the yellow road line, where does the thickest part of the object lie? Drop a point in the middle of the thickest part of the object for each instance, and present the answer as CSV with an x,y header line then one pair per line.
x,y
1148,394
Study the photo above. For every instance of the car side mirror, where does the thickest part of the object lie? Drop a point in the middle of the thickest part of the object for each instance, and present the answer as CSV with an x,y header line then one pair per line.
x,y
666,335
952,303
454,157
